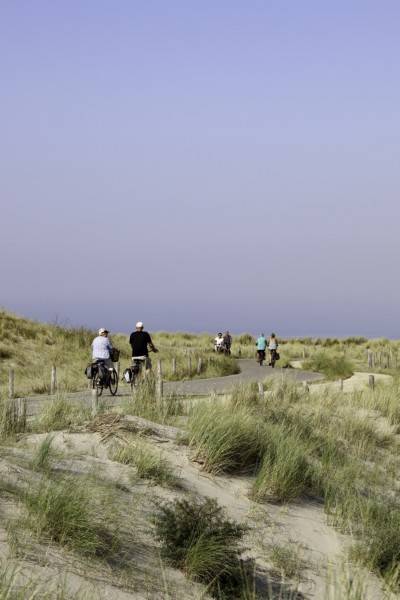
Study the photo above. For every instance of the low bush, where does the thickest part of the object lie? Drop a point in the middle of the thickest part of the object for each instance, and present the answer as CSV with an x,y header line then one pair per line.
x,y
226,440
333,366
197,538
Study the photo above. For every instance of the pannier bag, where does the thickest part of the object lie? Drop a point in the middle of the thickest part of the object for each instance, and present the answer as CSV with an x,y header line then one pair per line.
x,y
103,371
128,375
90,371
114,354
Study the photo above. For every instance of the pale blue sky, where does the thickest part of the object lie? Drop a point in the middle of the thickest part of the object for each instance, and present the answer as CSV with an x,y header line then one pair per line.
x,y
201,166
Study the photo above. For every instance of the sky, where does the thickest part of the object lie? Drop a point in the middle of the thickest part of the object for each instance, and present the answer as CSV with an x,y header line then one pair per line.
x,y
201,166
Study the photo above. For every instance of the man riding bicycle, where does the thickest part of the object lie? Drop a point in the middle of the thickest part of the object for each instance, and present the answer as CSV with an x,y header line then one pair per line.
x,y
140,341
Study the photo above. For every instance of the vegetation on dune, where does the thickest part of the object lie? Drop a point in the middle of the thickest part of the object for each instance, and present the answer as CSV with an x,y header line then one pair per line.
x,y
285,471
41,457
197,538
143,403
331,365
225,440
149,464
320,445
61,413
67,512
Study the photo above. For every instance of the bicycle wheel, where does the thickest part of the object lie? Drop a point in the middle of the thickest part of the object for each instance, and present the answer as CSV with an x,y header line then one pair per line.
x,y
97,383
113,382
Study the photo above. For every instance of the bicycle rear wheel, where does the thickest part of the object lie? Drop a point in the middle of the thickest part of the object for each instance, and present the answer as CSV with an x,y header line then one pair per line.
x,y
113,382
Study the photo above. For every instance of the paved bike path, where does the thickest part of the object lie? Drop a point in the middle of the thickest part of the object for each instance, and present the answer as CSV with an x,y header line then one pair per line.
x,y
250,371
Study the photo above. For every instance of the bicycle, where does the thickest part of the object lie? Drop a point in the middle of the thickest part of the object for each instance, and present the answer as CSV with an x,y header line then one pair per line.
x,y
260,357
274,356
132,374
104,378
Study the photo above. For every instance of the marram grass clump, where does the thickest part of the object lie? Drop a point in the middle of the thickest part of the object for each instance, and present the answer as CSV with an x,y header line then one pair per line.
x,y
225,440
72,514
149,463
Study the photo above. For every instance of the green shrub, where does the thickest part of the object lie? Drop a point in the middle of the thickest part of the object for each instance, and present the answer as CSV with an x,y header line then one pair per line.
x,y
226,440
333,366
245,339
196,537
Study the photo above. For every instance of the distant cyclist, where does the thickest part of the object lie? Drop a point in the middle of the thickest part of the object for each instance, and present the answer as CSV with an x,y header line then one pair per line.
x,y
101,348
140,342
219,343
227,342
261,347
273,349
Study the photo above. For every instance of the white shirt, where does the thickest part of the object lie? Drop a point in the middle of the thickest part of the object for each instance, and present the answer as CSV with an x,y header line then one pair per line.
x,y
219,341
101,347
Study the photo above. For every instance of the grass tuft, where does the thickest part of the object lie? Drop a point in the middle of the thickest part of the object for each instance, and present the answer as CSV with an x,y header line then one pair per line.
x,y
65,512
149,464
225,441
61,413
41,458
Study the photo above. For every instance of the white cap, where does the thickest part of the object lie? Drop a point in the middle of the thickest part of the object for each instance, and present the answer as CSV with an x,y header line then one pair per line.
x,y
102,330
139,325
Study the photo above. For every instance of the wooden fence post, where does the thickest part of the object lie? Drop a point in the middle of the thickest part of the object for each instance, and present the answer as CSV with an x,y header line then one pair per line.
x,y
199,366
11,383
159,381
190,364
95,401
53,381
306,386
261,390
370,358
341,385
371,382
174,366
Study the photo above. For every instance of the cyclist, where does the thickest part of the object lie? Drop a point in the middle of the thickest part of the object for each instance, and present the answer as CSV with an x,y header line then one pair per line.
x,y
273,349
227,342
219,343
261,346
101,347
140,341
